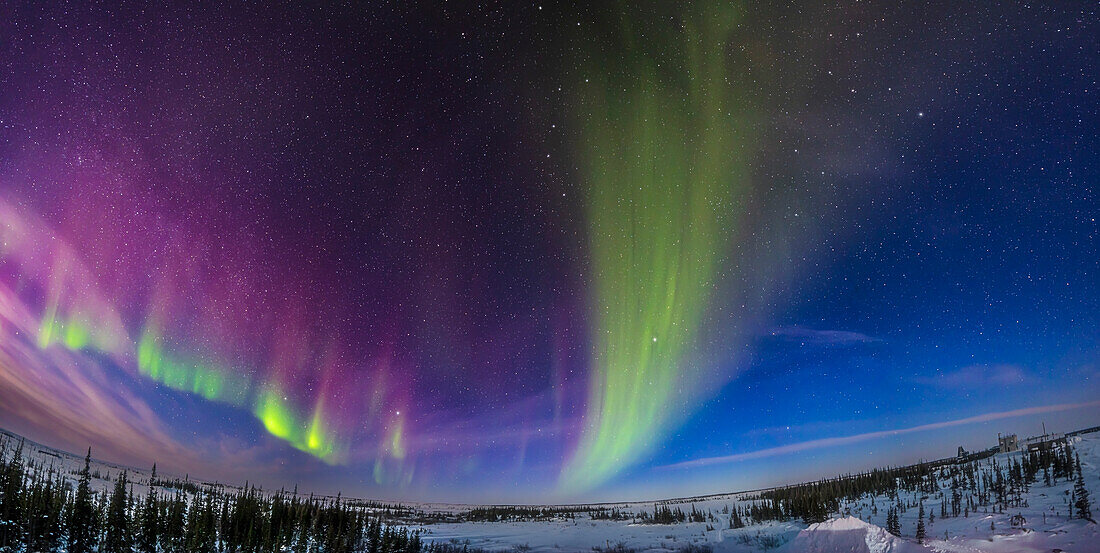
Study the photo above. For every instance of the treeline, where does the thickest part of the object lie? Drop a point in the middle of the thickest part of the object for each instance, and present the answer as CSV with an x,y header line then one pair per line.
x,y
613,513
813,501
959,487
962,488
663,514
508,513
41,510
998,487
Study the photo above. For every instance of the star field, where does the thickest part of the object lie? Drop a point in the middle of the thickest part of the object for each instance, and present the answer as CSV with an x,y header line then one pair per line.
x,y
529,252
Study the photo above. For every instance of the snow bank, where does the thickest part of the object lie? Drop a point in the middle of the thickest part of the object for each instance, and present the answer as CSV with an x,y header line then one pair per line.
x,y
849,535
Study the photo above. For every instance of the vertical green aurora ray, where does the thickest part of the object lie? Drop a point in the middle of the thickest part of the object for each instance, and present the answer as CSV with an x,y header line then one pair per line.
x,y
662,149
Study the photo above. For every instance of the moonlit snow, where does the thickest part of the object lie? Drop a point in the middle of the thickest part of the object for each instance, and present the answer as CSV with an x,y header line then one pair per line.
x,y
858,527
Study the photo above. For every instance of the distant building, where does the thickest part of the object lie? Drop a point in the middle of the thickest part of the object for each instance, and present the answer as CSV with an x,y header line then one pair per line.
x,y
1083,431
1007,443
1045,441
962,453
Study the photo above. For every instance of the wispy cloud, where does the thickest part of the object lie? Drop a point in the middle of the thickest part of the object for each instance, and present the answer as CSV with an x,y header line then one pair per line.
x,y
977,375
845,440
821,337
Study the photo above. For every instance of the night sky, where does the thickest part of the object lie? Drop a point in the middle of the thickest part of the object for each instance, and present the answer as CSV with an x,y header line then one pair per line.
x,y
546,252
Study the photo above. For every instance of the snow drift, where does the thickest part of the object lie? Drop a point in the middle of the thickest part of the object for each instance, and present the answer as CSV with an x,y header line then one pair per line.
x,y
849,535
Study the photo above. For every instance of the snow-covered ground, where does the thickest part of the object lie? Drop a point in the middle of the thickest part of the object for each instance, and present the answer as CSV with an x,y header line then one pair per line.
x,y
857,527
849,534
41,457
1047,525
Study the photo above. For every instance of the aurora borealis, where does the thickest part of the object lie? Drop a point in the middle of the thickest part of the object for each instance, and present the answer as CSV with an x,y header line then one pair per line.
x,y
545,252
664,167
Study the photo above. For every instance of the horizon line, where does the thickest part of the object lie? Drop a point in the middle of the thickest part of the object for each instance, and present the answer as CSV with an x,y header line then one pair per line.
x,y
866,436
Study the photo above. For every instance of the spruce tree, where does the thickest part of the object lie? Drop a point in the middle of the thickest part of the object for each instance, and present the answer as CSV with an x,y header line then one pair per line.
x,y
148,531
172,535
735,519
82,520
47,530
920,524
195,535
1084,510
12,500
893,525
118,537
